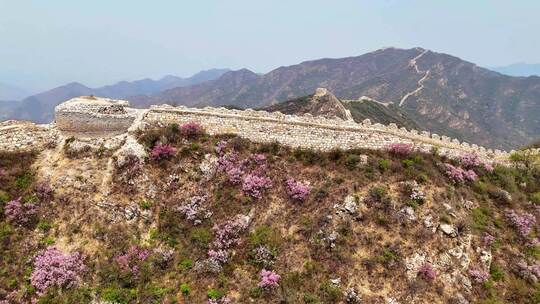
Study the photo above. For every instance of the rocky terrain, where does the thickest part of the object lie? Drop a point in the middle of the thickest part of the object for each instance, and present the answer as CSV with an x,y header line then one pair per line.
x,y
167,213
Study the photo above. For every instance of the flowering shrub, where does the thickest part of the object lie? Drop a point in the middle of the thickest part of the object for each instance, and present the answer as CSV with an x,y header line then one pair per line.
x,y
529,272
269,279
227,234
297,190
54,268
43,191
195,211
399,149
18,213
458,175
488,239
220,256
220,147
253,185
427,272
191,130
222,300
160,152
417,195
523,223
472,161
130,262
263,256
229,164
478,275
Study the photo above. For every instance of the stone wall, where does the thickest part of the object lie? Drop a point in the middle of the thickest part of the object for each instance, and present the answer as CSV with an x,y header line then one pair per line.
x,y
311,132
98,117
17,135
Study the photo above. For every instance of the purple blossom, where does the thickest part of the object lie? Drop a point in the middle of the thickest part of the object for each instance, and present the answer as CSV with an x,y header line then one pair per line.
x,y
220,147
191,130
400,149
195,210
227,234
220,256
523,223
269,279
478,276
229,164
529,272
427,272
222,300
297,190
470,160
2,172
44,191
160,152
488,239
131,261
253,185
18,213
458,175
54,268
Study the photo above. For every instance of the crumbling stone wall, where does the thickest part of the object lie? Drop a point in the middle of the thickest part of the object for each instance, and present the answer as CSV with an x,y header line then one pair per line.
x,y
311,132
98,116
17,135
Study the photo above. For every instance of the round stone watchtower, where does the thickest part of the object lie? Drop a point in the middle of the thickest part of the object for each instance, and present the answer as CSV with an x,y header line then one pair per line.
x,y
93,115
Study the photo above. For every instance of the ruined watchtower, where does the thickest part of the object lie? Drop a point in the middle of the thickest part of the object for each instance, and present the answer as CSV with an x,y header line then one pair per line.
x,y
93,115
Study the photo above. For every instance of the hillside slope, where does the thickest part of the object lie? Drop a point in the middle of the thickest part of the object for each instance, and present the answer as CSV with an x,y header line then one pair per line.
x,y
441,93
209,219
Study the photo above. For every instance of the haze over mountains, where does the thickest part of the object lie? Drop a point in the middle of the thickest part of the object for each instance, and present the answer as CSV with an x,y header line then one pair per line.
x,y
423,89
519,69
40,107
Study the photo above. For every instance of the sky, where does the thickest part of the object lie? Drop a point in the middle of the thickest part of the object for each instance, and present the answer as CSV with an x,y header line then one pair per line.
x,y
49,43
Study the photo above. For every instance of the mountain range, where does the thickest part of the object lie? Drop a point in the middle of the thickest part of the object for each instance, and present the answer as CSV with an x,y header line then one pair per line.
x,y
439,92
40,107
519,69
419,88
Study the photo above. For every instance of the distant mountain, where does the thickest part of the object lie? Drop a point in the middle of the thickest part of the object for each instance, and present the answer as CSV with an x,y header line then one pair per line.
x,y
439,92
324,103
8,92
40,107
519,69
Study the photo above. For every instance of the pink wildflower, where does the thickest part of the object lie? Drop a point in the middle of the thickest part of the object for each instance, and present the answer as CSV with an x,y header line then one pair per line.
x,y
269,279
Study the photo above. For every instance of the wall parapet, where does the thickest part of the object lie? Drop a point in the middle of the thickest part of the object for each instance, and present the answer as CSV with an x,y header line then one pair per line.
x,y
224,118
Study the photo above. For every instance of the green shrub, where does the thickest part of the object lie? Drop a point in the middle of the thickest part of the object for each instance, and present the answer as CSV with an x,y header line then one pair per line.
x,y
44,225
186,264
331,292
265,235
407,163
255,292
4,197
310,298
184,289
118,295
145,204
480,218
497,274
5,231
351,161
535,198
24,181
214,294
384,165
200,236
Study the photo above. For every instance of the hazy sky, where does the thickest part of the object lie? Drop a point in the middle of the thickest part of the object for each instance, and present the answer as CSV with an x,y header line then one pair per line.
x,y
96,42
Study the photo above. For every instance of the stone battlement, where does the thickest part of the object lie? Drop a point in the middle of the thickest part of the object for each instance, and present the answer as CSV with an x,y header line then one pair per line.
x,y
99,116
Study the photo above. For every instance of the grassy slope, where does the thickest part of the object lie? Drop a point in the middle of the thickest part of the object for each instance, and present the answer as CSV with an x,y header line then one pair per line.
x,y
368,254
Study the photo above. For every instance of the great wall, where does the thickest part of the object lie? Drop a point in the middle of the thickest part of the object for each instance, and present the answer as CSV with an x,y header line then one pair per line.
x,y
90,117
